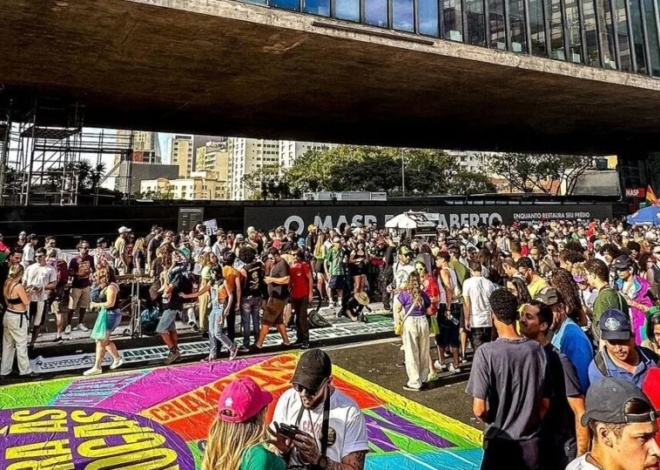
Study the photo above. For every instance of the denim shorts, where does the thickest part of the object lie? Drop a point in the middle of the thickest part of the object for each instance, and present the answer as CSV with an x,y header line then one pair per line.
x,y
167,322
113,320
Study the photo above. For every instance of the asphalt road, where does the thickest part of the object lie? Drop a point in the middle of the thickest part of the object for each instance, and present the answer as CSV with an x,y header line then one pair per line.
x,y
376,362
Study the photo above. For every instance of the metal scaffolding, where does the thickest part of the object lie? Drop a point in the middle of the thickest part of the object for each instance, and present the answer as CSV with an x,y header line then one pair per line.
x,y
50,156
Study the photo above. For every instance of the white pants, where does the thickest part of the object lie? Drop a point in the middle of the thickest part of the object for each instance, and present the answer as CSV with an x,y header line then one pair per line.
x,y
416,347
15,341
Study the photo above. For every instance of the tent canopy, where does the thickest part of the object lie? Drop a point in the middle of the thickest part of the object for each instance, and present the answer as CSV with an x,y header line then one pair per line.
x,y
648,215
410,220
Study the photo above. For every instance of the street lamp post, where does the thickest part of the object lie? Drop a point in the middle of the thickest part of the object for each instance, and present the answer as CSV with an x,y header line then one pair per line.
x,y
403,173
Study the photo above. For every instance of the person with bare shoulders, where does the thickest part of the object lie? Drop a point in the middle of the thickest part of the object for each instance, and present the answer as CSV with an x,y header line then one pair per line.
x,y
15,323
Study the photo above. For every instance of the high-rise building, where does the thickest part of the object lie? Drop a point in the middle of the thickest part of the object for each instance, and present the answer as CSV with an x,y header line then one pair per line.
x,y
181,154
290,150
145,146
248,156
214,156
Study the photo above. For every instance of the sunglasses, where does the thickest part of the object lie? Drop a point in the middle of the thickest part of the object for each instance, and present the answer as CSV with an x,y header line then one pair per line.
x,y
310,392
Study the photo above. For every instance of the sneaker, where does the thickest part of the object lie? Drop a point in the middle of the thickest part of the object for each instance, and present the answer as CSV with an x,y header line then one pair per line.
x,y
92,371
243,349
82,328
412,389
304,346
58,339
173,356
67,330
463,359
233,352
447,354
433,376
117,363
439,366
454,370
331,304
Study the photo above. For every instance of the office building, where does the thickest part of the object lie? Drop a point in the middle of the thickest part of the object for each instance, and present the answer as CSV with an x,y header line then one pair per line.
x,y
290,150
213,156
200,186
248,156
182,155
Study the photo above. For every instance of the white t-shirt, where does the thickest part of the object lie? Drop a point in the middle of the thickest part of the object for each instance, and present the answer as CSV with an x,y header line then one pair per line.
x,y
581,464
401,273
478,290
28,255
346,420
39,276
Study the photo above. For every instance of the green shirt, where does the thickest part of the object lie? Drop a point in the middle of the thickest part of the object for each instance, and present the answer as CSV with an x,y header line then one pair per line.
x,y
606,299
206,273
258,457
460,270
335,259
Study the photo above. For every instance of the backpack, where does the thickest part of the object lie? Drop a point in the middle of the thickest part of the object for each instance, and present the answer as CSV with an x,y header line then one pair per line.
x,y
315,320
599,359
149,321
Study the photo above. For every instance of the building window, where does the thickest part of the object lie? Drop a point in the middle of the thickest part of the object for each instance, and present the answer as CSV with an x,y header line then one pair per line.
x,y
638,35
652,37
402,11
517,24
451,19
476,22
537,28
622,32
496,21
556,30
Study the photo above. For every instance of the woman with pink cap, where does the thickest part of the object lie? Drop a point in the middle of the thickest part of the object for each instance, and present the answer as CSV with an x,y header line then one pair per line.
x,y
238,435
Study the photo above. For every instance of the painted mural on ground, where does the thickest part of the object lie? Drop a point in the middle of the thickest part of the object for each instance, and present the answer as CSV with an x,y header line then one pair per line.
x,y
160,417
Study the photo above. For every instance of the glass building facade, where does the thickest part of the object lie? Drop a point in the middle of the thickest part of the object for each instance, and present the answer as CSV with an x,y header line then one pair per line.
x,y
614,34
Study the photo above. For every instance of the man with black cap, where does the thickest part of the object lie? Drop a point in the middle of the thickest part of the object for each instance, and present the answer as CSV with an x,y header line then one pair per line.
x,y
623,426
620,357
330,430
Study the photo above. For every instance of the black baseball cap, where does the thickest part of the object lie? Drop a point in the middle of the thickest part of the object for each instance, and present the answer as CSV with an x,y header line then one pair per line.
x,y
615,325
313,368
40,252
607,399
549,296
622,262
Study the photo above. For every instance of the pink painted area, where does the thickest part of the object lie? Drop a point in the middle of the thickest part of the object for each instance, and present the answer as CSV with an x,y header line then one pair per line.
x,y
150,391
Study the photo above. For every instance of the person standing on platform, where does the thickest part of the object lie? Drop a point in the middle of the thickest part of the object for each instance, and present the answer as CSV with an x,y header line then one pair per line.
x,y
81,269
278,280
302,295
39,278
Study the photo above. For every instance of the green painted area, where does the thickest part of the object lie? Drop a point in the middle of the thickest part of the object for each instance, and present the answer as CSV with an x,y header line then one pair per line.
x,y
196,453
32,394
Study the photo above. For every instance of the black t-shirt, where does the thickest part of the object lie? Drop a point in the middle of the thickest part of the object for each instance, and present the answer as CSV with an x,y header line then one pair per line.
x,y
559,423
279,291
254,280
174,300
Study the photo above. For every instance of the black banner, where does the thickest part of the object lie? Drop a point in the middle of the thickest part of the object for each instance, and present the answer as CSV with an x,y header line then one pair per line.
x,y
298,218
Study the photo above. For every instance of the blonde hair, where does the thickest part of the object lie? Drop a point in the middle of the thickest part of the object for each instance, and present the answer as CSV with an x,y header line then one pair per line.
x,y
415,293
139,246
16,271
227,442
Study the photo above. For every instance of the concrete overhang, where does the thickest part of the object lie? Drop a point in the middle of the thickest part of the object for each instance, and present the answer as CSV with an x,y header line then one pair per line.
x,y
227,68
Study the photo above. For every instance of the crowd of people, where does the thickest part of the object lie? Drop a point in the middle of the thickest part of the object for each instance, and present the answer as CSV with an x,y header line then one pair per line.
x,y
551,311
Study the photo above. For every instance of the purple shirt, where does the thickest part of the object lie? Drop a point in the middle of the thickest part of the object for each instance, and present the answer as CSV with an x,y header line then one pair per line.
x,y
406,300
81,269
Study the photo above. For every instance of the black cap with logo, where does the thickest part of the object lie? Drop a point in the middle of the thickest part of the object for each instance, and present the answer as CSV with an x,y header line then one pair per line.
x,y
314,366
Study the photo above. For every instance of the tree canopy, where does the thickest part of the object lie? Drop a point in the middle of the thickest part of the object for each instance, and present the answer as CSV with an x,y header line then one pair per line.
x,y
529,172
373,169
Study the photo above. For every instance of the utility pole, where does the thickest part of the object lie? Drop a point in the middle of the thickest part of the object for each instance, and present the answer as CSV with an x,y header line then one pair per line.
x,y
403,173
4,154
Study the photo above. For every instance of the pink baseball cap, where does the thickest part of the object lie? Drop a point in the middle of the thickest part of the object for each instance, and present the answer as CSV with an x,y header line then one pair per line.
x,y
241,400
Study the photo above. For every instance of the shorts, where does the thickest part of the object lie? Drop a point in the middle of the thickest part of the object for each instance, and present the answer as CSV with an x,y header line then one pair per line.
x,y
448,337
337,282
319,266
274,312
79,298
113,320
167,322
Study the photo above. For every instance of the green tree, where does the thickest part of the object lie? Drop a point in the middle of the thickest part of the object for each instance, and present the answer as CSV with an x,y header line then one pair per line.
x,y
467,182
529,172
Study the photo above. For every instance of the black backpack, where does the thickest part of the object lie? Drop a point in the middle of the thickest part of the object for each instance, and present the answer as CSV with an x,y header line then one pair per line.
x,y
186,283
599,359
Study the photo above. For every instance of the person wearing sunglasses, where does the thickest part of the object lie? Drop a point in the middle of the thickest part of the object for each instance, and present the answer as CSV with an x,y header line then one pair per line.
x,y
329,430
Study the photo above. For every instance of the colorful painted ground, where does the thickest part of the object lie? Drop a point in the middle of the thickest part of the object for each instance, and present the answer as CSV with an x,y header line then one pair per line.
x,y
159,418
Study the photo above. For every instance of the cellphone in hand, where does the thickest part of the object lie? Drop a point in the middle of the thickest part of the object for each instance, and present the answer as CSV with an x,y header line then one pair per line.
x,y
288,431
